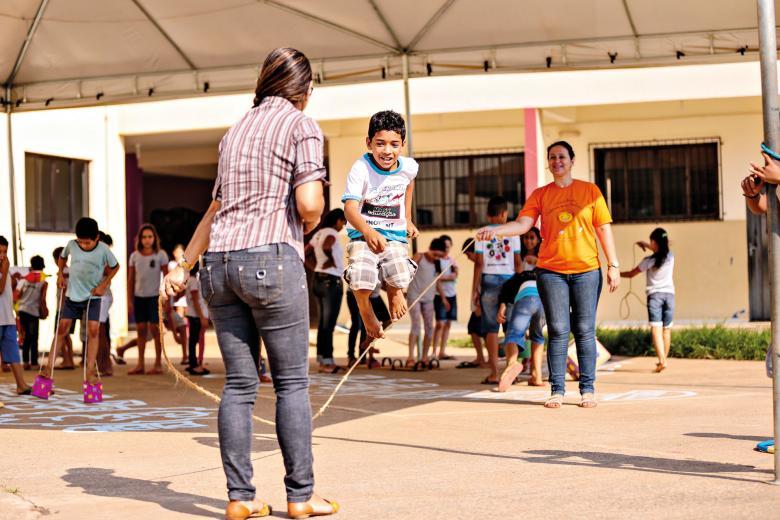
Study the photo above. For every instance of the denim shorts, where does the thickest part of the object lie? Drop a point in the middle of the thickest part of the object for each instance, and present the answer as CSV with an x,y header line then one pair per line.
x,y
527,314
443,314
146,310
75,310
490,289
9,346
660,309
475,325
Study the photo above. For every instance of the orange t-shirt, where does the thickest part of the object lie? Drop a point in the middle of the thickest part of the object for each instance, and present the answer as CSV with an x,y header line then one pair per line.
x,y
570,217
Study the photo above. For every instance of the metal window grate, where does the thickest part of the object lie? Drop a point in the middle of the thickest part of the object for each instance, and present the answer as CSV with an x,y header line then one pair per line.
x,y
649,181
452,190
56,192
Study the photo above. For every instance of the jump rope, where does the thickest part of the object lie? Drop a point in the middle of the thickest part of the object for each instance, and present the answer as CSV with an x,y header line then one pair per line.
x,y
625,304
366,348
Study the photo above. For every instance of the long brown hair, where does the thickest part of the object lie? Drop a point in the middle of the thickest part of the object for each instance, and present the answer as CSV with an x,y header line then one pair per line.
x,y
139,246
286,73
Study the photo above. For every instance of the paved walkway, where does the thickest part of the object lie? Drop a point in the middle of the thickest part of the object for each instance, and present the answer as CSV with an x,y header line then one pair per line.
x,y
409,445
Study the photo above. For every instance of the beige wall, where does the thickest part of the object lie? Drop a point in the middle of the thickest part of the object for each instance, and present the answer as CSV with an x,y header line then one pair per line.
x,y
711,256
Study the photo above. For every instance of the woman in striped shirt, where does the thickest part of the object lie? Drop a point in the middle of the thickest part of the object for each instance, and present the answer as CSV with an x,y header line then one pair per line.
x,y
268,193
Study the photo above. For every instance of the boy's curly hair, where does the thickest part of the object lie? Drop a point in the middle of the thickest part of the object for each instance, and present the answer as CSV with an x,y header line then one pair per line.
x,y
387,120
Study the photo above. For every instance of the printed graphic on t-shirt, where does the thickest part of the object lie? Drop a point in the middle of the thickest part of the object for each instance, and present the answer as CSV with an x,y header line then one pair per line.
x,y
498,248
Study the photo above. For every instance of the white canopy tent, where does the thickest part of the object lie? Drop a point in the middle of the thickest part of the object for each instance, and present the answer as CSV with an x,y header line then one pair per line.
x,y
77,52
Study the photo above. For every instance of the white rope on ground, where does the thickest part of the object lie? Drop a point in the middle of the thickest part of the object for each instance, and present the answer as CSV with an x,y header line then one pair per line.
x,y
179,377
625,304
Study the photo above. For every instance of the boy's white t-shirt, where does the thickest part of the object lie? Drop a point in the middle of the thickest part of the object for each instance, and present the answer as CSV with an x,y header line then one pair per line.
x,y
193,284
382,195
6,304
658,280
448,287
498,255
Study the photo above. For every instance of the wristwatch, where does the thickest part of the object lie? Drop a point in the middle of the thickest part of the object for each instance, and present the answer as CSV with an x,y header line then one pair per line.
x,y
184,264
615,265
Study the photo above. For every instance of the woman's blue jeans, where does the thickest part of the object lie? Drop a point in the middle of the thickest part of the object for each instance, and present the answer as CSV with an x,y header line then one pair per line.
x,y
254,292
570,302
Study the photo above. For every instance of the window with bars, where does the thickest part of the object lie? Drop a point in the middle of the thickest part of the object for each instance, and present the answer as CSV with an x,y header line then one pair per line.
x,y
679,181
56,192
453,191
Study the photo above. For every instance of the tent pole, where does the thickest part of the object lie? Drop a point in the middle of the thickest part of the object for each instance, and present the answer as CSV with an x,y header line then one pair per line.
x,y
408,117
768,52
11,175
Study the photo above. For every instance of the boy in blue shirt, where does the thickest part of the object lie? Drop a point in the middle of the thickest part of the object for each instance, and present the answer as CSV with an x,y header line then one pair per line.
x,y
92,266
378,206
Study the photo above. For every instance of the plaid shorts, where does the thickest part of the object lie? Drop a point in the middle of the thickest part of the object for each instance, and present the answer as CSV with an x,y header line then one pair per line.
x,y
365,268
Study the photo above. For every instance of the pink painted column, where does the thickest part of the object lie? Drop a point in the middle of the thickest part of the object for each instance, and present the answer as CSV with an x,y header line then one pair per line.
x,y
531,126
134,198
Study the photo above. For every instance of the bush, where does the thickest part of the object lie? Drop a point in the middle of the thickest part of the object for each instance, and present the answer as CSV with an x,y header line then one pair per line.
x,y
695,343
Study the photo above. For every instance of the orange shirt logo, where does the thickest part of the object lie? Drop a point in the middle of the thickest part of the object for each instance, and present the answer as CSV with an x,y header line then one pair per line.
x,y
565,217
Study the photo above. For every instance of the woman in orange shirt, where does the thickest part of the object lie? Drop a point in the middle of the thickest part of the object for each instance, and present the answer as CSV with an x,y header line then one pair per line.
x,y
574,214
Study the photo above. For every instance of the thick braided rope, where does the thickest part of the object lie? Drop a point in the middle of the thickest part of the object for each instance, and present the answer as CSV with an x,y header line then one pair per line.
x,y
179,377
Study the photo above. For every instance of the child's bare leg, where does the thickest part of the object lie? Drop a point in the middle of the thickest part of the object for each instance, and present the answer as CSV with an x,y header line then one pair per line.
x,y
372,325
444,338
511,353
667,341
476,340
140,366
437,332
201,346
537,350
18,373
492,348
398,307
658,343
59,345
157,347
426,346
93,329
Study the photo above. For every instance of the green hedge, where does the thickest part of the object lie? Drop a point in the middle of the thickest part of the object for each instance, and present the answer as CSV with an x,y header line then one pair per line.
x,y
695,343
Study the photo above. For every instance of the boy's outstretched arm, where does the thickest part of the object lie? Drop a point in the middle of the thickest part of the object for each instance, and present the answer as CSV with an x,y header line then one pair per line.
x,y
375,241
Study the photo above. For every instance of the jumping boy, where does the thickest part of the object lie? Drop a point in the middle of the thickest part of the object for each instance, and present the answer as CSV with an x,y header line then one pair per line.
x,y
497,260
9,347
378,207
92,266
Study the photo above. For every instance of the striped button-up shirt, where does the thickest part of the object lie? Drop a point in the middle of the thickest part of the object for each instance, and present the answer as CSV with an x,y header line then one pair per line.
x,y
273,149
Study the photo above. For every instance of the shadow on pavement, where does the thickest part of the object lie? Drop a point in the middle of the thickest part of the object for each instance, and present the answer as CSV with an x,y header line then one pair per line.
x,y
696,468
708,435
103,483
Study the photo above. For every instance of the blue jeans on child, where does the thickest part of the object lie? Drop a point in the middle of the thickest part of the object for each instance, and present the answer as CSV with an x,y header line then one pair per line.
x,y
570,302
329,291
254,292
490,289
660,309
527,314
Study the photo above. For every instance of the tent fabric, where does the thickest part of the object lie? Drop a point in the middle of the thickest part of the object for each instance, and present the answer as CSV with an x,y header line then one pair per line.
x,y
82,50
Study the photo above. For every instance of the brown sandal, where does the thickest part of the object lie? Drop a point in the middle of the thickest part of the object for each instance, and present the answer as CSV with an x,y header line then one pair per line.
x,y
306,509
238,510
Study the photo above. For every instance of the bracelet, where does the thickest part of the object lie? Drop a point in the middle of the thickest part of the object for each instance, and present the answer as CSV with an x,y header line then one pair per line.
x,y
757,195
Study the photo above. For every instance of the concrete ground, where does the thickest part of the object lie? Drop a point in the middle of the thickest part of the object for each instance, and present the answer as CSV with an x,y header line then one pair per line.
x,y
399,445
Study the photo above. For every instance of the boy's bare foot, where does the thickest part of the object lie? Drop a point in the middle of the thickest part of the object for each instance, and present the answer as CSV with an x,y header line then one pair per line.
x,y
137,371
156,371
398,307
373,327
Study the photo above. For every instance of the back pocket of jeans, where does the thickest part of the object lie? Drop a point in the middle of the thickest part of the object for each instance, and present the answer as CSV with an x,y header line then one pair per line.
x,y
262,282
206,285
